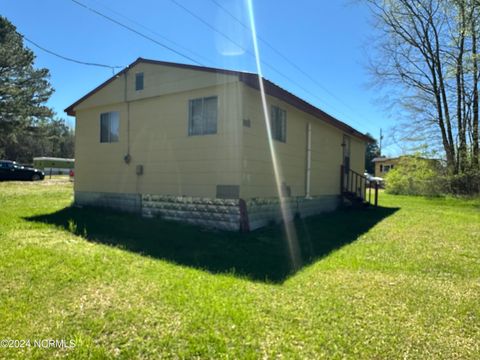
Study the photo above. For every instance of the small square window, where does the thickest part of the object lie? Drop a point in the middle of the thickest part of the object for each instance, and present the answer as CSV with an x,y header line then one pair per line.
x,y
139,81
109,127
278,124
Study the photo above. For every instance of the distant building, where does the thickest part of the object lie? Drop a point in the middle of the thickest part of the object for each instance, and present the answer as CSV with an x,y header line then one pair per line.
x,y
384,164
53,165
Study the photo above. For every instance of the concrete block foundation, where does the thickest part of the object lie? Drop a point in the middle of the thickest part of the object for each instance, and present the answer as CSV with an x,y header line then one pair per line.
x,y
224,214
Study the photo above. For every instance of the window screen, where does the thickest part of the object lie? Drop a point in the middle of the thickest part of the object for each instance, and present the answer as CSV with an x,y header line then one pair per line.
x,y
202,119
278,124
139,81
109,127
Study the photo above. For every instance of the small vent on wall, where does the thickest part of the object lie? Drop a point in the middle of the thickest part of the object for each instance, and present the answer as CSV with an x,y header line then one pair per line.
x,y
228,191
247,123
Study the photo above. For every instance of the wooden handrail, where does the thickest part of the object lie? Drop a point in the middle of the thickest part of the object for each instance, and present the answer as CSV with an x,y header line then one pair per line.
x,y
356,184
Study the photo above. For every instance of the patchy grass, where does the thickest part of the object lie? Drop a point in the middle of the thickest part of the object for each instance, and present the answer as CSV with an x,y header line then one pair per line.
x,y
401,281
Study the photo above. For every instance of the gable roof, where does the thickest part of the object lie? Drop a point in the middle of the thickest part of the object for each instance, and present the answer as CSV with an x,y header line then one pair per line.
x,y
251,80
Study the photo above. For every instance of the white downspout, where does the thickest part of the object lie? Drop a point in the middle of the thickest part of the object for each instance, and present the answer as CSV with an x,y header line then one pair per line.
x,y
309,160
125,99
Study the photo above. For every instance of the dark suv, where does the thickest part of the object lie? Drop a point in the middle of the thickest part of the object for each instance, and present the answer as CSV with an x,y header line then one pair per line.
x,y
10,170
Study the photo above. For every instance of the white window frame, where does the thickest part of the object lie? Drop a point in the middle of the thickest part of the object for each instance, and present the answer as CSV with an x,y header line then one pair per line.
x,y
110,116
203,128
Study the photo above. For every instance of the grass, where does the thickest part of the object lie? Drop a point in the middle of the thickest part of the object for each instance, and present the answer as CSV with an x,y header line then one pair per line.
x,y
401,281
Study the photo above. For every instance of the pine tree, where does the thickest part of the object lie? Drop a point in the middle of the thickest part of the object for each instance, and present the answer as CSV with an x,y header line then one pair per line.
x,y
372,151
24,90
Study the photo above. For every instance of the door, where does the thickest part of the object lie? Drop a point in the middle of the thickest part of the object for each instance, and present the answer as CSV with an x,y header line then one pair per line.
x,y
346,161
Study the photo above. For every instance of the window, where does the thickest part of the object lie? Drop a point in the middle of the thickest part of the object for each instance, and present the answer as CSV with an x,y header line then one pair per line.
x,y
278,124
386,168
202,117
109,127
139,81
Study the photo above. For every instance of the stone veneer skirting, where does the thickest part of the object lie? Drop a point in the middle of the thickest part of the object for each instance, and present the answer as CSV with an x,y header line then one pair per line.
x,y
216,213
262,211
225,214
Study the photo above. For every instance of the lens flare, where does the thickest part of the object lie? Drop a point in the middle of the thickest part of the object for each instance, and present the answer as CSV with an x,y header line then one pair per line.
x,y
286,212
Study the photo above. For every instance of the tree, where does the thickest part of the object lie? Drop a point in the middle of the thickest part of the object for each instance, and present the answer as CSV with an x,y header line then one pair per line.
x,y
371,153
44,138
429,63
24,90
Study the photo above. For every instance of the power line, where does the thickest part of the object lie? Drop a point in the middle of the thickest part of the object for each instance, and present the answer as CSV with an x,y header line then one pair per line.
x,y
189,57
206,23
193,14
136,32
290,62
112,67
238,45
154,32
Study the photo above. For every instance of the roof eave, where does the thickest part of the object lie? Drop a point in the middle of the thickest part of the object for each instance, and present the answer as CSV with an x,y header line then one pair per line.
x,y
274,90
250,79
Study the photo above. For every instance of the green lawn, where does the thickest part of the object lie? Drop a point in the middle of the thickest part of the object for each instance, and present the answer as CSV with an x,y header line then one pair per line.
x,y
400,281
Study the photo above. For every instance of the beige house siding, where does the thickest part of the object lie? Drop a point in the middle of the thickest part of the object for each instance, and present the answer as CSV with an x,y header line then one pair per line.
x,y
257,168
158,80
174,163
357,155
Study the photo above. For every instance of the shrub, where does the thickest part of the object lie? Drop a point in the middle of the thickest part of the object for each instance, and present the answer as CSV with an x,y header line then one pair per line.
x,y
416,176
467,183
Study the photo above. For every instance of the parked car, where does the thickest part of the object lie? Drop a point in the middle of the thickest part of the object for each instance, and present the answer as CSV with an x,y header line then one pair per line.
x,y
10,170
371,180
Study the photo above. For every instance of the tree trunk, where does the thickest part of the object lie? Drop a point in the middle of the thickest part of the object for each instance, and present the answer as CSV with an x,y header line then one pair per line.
x,y
462,146
474,130
450,149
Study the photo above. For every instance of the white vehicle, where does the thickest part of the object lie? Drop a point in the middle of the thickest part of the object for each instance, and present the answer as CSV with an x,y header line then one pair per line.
x,y
374,179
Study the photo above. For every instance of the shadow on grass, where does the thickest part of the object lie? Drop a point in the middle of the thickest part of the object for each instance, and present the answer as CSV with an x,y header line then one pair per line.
x,y
261,255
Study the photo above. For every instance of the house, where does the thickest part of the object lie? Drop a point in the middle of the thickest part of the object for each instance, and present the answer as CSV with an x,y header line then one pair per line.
x,y
384,164
190,143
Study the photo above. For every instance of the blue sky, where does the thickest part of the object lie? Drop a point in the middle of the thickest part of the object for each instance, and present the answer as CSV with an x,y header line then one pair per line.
x,y
328,40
